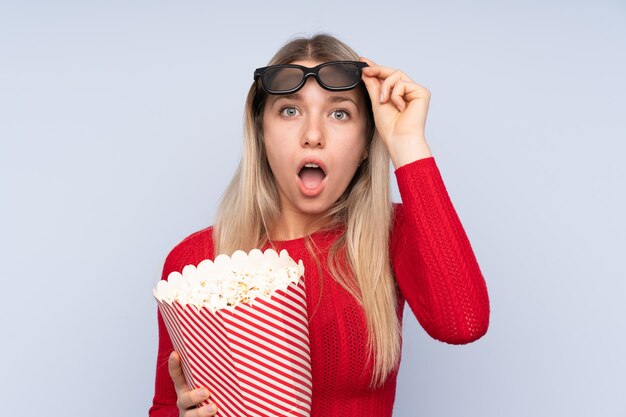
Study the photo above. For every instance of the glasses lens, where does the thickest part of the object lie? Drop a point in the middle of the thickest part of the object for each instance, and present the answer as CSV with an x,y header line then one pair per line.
x,y
282,79
340,75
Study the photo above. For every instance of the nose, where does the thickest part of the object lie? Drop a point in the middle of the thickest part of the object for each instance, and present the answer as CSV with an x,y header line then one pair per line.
x,y
314,130
313,135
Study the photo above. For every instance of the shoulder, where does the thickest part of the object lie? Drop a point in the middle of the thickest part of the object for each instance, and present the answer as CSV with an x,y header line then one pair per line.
x,y
190,251
199,238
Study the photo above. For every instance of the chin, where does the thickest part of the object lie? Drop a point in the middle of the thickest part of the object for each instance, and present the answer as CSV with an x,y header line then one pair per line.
x,y
314,207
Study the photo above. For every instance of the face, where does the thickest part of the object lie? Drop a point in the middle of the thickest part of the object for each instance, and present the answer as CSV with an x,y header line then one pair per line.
x,y
319,127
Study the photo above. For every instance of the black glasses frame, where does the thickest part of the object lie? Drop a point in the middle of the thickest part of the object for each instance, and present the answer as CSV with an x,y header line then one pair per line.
x,y
308,71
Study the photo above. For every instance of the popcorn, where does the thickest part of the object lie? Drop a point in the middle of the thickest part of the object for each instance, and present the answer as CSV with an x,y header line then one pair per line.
x,y
230,280
240,326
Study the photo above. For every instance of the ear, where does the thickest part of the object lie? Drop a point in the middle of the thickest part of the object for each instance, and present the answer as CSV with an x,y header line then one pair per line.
x,y
366,153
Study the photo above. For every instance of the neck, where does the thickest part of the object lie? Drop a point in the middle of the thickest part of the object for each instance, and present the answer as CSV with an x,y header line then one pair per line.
x,y
291,225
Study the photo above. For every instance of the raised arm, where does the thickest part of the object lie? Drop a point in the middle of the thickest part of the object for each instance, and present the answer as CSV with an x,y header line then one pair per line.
x,y
434,263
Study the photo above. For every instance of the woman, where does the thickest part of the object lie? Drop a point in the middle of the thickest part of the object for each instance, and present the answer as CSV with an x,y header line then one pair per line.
x,y
314,179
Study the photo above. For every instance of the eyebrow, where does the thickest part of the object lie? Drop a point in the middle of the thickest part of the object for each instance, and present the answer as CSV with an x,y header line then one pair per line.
x,y
331,99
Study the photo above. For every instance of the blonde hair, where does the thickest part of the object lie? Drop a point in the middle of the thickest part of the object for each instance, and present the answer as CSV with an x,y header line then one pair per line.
x,y
251,203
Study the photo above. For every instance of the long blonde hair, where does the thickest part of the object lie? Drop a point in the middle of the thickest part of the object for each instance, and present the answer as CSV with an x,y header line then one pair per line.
x,y
251,203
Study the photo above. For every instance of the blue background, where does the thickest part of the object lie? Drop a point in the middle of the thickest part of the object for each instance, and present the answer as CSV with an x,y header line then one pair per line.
x,y
121,125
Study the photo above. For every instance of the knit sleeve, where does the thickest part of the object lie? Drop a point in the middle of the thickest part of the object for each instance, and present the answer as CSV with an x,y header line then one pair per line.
x,y
434,264
191,250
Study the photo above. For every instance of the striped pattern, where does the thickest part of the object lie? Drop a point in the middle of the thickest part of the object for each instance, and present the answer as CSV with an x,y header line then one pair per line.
x,y
255,360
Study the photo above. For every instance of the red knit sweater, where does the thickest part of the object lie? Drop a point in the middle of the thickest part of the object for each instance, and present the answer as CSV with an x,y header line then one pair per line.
x,y
437,275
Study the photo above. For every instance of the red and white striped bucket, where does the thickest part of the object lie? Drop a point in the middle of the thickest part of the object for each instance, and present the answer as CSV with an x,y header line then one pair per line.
x,y
255,360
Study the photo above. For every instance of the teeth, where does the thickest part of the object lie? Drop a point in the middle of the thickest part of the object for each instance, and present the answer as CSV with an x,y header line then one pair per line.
x,y
312,165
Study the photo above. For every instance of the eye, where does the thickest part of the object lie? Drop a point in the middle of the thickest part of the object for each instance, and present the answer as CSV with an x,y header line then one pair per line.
x,y
291,111
341,114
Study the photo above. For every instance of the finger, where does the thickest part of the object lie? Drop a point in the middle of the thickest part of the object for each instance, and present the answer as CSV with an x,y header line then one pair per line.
x,y
398,91
373,66
192,398
388,83
415,91
209,410
176,373
377,71
377,67
383,72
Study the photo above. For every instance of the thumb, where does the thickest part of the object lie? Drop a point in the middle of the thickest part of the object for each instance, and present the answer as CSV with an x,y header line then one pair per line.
x,y
176,372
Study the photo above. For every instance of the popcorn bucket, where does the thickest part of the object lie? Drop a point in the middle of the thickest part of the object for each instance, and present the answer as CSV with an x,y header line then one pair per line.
x,y
254,358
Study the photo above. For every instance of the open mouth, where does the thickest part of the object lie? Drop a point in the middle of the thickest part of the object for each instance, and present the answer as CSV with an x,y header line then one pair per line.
x,y
311,175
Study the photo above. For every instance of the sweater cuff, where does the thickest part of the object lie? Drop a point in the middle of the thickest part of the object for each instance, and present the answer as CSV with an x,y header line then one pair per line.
x,y
419,167
418,163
